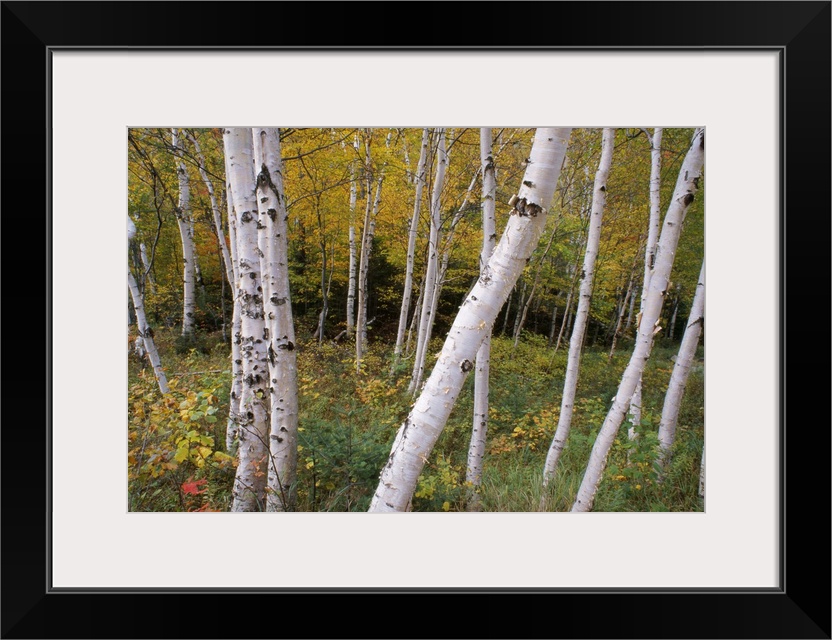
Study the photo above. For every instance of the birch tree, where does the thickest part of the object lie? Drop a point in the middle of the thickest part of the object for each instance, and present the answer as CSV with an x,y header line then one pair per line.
x,y
419,179
253,418
681,370
144,330
352,276
683,195
649,254
279,331
232,428
418,434
186,232
573,366
429,283
363,271
479,432
215,208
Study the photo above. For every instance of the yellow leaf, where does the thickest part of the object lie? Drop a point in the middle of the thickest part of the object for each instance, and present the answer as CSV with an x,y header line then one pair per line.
x,y
446,506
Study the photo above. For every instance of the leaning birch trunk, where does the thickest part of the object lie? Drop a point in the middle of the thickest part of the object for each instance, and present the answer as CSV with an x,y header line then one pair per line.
x,y
649,257
681,370
366,250
280,332
411,248
419,432
573,362
145,332
215,209
429,284
683,196
186,232
479,432
253,417
232,428
351,287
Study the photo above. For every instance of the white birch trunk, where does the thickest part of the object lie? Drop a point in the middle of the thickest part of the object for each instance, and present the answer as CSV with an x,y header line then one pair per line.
x,y
417,436
649,256
280,333
145,332
429,284
253,417
573,365
702,475
681,370
351,286
411,247
479,432
364,266
232,428
186,232
215,210
683,196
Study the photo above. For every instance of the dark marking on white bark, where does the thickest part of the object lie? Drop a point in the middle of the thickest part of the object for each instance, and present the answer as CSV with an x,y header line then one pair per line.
x,y
603,188
688,199
466,366
245,217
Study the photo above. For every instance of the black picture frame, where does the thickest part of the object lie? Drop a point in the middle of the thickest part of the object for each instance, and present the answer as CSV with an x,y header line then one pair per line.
x,y
799,608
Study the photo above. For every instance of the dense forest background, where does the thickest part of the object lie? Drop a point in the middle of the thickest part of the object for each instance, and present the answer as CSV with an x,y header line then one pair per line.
x,y
351,403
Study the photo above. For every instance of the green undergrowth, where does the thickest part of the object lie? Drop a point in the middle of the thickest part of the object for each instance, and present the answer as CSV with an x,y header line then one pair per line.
x,y
177,459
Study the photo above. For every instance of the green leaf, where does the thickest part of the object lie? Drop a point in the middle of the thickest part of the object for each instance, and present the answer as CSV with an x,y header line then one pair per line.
x,y
210,419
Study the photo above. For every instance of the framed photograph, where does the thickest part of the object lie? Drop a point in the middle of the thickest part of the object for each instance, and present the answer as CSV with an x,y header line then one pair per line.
x,y
755,75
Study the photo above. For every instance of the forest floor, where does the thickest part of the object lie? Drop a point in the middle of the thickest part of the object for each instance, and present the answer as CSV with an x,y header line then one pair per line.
x,y
177,459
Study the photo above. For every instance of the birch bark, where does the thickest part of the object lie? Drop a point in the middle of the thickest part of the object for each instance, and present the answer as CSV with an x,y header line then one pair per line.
x,y
419,432
215,209
232,427
186,232
253,417
145,332
649,256
683,195
351,286
573,366
681,370
280,333
364,266
479,432
429,283
411,247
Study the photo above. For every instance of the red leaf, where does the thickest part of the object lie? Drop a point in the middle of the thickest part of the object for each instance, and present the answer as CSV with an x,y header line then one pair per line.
x,y
193,487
